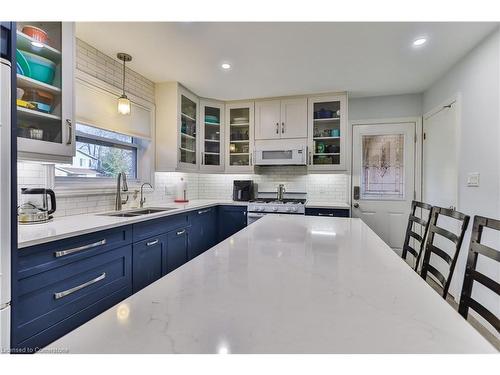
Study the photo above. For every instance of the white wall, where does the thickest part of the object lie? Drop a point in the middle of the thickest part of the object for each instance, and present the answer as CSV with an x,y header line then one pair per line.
x,y
384,107
476,78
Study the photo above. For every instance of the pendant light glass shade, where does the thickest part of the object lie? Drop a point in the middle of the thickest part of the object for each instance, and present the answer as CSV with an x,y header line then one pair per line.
x,y
124,105
123,101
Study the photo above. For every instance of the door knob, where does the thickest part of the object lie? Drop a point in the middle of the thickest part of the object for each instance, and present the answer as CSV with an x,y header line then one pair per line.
x,y
356,205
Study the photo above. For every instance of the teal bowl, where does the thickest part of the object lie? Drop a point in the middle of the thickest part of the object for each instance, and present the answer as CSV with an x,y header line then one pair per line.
x,y
42,69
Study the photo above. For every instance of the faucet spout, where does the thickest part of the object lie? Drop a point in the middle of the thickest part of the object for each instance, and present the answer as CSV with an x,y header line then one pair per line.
x,y
119,188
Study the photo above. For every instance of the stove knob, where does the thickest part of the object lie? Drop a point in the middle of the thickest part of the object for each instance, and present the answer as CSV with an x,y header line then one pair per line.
x,y
289,209
293,209
275,209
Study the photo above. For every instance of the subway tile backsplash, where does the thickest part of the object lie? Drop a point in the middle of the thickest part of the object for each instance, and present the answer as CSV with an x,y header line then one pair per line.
x,y
319,187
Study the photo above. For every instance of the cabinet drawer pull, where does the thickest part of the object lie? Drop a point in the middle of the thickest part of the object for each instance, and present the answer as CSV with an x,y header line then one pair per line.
x,y
62,253
277,128
181,232
320,214
204,211
77,288
282,128
152,242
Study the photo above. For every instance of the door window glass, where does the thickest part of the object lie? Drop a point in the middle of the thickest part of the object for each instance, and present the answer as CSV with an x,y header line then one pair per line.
x,y
382,175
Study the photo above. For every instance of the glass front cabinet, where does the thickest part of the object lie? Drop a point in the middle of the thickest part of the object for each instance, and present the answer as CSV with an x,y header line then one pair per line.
x,y
239,136
188,134
327,129
211,135
45,96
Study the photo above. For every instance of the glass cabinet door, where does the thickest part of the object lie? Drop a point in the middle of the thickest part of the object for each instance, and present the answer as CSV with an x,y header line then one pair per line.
x,y
212,135
239,137
188,130
44,87
327,128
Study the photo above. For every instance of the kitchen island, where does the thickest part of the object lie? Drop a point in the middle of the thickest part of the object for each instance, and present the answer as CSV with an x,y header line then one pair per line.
x,y
285,284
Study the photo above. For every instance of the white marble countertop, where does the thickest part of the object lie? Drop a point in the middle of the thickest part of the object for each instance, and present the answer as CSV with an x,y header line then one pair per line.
x,y
285,284
69,226
326,204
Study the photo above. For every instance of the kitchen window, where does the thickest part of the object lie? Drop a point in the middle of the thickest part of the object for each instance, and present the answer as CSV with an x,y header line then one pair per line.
x,y
100,156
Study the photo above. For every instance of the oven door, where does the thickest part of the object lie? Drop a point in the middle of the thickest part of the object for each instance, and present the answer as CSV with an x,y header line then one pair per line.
x,y
254,216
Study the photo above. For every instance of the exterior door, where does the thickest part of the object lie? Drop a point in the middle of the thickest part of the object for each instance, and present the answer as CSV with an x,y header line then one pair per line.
x,y
383,178
294,118
267,119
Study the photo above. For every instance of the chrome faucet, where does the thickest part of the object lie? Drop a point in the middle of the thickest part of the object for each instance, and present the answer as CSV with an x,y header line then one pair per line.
x,y
281,192
143,200
119,188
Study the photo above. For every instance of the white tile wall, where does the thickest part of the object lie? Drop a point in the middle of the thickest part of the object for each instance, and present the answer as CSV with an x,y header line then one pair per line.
x,y
322,187
110,70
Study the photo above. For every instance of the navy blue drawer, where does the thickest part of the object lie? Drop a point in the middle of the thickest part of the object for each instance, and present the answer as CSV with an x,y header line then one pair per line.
x,y
44,257
328,212
50,297
151,228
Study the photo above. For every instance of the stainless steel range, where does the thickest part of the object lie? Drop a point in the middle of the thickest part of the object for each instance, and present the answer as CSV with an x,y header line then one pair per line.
x,y
265,206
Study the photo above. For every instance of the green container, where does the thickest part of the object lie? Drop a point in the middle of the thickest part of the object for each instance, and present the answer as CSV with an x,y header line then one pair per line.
x,y
42,69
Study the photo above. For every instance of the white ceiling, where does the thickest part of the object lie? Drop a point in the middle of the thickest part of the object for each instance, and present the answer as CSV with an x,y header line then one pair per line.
x,y
274,59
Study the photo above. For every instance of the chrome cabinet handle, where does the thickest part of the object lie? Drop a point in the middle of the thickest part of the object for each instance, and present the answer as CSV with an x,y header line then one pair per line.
x,y
310,157
181,232
320,214
151,243
77,288
204,211
282,128
70,133
250,159
202,158
277,128
62,253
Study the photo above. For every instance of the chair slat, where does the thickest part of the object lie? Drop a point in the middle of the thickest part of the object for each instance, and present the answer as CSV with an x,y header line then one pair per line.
x,y
418,220
484,312
437,274
445,233
416,236
442,254
411,250
485,280
485,250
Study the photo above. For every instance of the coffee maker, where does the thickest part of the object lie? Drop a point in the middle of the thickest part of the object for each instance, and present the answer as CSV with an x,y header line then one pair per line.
x,y
244,190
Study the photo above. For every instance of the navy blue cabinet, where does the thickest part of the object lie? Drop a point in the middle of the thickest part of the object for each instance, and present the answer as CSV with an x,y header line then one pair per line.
x,y
328,212
148,261
62,284
203,231
177,248
231,219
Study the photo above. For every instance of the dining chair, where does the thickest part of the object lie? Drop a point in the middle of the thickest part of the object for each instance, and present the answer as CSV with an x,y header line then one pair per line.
x,y
432,248
472,274
423,222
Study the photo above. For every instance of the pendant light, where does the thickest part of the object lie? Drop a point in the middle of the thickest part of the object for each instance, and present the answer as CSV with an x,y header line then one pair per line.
x,y
123,101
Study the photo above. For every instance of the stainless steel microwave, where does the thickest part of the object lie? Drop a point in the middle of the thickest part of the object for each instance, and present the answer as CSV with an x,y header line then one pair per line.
x,y
285,156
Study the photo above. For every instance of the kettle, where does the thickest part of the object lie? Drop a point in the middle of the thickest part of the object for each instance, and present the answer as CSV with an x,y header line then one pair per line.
x,y
34,207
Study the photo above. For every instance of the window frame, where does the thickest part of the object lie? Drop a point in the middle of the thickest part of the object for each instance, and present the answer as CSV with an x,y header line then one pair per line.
x,y
64,183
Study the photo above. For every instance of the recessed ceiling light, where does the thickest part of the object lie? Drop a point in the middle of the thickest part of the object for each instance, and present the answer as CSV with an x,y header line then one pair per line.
x,y
226,66
419,42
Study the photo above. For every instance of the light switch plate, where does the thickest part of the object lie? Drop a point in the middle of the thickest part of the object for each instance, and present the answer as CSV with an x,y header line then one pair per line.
x,y
473,180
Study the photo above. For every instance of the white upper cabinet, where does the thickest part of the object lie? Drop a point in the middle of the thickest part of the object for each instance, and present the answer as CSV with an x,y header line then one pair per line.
x,y
281,119
239,136
327,133
294,118
268,119
212,135
177,128
45,77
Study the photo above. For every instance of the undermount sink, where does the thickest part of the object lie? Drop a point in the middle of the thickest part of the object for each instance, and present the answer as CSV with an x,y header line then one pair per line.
x,y
138,212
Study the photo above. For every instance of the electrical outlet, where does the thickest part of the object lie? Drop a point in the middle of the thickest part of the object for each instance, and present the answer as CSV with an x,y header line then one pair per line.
x,y
473,180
